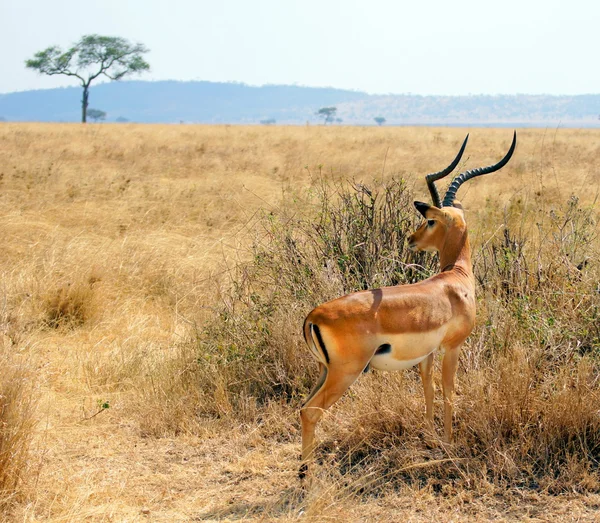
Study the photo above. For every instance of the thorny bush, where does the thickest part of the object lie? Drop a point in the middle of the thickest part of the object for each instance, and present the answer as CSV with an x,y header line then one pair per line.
x,y
528,383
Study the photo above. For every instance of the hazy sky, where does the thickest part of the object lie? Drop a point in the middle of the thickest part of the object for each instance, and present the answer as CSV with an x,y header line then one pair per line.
x,y
379,46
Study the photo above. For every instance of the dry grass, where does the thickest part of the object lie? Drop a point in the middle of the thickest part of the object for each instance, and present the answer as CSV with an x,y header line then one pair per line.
x,y
154,280
18,397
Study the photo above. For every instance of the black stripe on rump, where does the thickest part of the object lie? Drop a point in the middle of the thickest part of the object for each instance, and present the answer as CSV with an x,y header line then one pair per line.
x,y
386,348
320,340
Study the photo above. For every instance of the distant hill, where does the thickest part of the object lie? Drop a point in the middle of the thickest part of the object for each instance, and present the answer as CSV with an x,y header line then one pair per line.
x,y
212,102
170,101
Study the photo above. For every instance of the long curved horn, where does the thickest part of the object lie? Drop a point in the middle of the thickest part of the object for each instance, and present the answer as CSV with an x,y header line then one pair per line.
x,y
434,177
462,178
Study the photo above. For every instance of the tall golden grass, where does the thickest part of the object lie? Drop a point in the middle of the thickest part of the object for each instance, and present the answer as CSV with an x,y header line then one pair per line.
x,y
155,279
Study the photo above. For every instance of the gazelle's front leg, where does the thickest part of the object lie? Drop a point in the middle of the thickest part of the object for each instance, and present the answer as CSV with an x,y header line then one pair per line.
x,y
426,371
449,366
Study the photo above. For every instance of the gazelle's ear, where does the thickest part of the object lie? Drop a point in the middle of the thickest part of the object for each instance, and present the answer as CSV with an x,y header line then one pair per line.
x,y
422,208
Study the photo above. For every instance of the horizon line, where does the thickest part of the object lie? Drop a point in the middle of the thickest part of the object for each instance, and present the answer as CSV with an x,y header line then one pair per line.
x,y
300,86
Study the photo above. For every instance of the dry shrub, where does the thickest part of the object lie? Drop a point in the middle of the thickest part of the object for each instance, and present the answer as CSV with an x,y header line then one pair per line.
x,y
541,279
71,304
17,424
526,415
527,418
353,239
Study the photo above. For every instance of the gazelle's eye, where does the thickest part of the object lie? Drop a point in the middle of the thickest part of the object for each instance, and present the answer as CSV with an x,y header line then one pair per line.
x,y
430,223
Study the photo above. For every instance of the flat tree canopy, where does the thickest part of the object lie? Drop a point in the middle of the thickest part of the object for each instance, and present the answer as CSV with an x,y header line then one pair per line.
x,y
96,114
327,113
91,57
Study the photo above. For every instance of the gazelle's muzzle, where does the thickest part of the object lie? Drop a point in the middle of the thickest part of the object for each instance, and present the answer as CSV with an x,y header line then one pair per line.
x,y
412,243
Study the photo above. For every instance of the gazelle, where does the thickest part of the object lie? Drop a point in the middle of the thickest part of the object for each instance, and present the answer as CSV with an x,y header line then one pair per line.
x,y
395,328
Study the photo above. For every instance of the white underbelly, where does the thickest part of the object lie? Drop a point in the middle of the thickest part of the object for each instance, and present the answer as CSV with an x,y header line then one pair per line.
x,y
388,362
407,350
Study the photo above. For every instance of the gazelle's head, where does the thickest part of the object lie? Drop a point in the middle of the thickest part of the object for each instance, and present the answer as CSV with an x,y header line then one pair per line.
x,y
443,217
432,234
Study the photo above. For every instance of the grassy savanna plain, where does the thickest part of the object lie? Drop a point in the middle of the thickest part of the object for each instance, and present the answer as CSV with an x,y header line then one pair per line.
x,y
154,280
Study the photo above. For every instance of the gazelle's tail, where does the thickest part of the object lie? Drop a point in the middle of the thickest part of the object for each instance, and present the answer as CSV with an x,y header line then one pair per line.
x,y
314,340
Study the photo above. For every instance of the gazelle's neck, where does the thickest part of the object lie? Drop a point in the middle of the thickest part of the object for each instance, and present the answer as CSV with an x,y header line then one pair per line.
x,y
456,252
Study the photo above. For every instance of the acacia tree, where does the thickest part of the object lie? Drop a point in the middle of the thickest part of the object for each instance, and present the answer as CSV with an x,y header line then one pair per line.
x,y
327,113
380,120
91,57
96,114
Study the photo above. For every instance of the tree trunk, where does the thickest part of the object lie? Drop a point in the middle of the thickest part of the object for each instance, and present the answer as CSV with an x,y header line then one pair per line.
x,y
84,102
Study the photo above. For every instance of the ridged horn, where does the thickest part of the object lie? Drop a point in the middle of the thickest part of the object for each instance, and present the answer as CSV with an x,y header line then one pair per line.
x,y
480,171
434,177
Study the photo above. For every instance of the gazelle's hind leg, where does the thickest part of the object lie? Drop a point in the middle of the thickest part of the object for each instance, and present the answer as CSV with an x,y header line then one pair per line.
x,y
318,385
337,381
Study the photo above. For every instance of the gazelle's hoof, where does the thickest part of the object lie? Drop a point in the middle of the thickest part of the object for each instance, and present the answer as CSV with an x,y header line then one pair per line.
x,y
302,471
